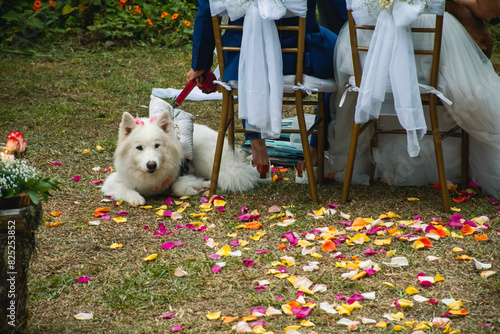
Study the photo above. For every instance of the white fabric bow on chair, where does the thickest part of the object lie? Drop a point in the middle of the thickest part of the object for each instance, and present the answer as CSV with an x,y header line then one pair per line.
x,y
260,71
390,57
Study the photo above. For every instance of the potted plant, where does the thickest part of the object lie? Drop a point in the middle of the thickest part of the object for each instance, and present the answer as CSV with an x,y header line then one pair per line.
x,y
21,184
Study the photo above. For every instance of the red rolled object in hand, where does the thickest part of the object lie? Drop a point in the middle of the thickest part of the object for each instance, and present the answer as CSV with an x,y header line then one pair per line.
x,y
207,86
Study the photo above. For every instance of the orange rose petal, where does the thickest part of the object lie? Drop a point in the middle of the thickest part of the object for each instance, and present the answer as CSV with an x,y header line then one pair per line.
x,y
359,222
328,246
467,229
253,225
294,304
249,318
228,319
482,237
426,242
281,246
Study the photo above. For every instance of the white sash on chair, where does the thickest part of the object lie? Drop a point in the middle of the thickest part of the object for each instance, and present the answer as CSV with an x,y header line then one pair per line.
x,y
260,70
390,57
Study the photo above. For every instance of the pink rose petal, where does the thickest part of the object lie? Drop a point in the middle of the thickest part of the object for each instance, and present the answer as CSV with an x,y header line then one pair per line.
x,y
76,178
216,269
83,279
248,262
176,328
56,163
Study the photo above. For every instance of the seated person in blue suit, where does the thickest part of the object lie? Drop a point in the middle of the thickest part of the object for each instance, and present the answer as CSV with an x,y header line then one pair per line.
x,y
318,58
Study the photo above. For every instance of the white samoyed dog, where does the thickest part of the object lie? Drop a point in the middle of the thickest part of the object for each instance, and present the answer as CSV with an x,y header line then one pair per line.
x,y
148,161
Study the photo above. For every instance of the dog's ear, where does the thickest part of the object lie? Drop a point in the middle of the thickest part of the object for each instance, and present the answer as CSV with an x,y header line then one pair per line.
x,y
127,125
165,121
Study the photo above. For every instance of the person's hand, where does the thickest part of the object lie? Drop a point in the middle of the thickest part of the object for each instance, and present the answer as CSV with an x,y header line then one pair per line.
x,y
192,74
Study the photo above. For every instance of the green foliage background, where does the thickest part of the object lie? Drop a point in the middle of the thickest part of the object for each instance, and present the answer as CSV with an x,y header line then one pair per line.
x,y
97,20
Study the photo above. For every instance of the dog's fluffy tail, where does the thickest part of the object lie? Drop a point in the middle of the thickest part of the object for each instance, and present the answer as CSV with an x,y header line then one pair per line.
x,y
236,174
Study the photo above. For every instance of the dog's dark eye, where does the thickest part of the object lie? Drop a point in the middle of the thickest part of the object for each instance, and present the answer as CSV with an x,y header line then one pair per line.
x,y
157,145
139,148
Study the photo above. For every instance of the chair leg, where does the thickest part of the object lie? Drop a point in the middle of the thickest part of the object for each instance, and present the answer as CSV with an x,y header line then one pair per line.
x,y
350,162
321,137
220,144
230,118
305,146
438,149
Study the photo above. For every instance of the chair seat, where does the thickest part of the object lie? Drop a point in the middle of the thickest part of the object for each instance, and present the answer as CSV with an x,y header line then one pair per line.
x,y
310,82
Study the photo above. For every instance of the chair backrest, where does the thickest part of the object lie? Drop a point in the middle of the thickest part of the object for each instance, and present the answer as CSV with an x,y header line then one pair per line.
x,y
434,52
300,28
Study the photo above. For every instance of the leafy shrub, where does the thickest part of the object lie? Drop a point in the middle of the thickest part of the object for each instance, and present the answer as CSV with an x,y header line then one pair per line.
x,y
152,21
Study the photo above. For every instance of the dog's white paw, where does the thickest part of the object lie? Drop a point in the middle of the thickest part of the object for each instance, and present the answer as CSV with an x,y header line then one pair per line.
x,y
135,199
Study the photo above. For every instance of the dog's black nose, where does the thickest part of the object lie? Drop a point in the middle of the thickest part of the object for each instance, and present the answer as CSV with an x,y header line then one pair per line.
x,y
151,165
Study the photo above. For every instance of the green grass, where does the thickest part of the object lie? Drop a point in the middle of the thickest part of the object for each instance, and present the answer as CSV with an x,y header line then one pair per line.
x,y
66,101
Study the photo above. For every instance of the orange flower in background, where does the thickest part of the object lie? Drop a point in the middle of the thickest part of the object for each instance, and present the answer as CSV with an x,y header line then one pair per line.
x,y
52,4
174,16
164,14
120,4
37,5
187,23
150,22
81,8
137,10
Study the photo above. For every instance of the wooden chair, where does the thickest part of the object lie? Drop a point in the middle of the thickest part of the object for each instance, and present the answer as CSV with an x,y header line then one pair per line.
x,y
429,99
291,97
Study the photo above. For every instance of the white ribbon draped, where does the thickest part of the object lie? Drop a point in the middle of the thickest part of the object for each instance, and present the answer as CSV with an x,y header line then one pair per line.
x,y
260,69
391,59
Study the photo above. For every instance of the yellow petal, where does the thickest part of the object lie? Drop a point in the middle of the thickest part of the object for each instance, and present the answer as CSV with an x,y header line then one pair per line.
x,y
413,199
381,324
410,323
391,253
438,278
306,323
411,290
316,255
258,329
232,235
151,257
219,202
456,305
398,316
405,302
398,328
224,251
388,284
287,309
99,148
455,235
147,207
291,327
382,242
119,219
424,325
115,245
213,316
86,151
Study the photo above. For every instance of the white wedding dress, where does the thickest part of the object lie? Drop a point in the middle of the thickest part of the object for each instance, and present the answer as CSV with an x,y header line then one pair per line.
x,y
466,77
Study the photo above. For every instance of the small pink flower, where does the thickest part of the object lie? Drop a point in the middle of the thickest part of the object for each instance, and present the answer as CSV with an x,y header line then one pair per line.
x,y
248,262
83,279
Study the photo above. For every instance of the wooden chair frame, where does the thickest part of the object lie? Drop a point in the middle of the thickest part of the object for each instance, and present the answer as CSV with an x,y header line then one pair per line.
x,y
296,98
427,99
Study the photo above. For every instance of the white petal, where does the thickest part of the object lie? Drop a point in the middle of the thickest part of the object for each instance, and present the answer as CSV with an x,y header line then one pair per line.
x,y
369,295
420,298
480,266
344,321
179,272
432,258
368,321
84,316
237,253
